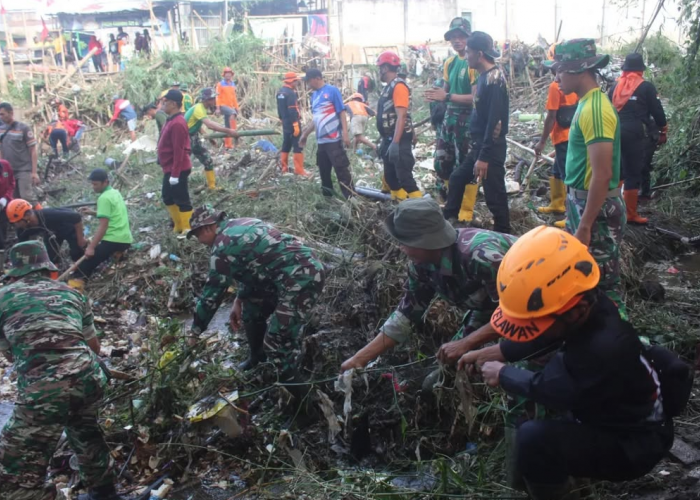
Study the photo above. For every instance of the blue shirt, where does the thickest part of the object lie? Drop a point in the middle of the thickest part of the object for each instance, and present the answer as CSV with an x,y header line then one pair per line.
x,y
326,106
128,113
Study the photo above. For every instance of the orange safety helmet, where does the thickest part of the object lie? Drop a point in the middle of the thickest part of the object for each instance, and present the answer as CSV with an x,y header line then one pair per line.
x,y
543,274
290,77
226,70
16,209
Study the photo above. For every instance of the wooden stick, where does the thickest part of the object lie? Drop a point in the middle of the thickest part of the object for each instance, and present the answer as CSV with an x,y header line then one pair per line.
x,y
675,183
204,23
72,268
72,69
531,151
10,45
173,38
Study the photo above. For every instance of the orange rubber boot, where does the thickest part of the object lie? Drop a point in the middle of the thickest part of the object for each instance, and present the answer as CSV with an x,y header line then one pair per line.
x,y
228,142
631,200
299,164
284,162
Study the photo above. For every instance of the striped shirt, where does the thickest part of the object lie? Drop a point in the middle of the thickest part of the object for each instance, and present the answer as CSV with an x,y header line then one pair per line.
x,y
595,121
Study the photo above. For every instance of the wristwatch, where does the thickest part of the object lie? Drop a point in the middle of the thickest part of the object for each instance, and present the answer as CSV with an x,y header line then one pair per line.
x,y
448,97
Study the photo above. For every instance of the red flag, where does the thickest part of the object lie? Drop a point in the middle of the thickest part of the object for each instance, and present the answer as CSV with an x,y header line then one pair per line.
x,y
44,30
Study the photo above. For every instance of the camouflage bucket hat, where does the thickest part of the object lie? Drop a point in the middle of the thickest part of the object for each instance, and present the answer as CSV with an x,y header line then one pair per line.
x,y
204,216
28,257
207,93
419,223
577,56
458,24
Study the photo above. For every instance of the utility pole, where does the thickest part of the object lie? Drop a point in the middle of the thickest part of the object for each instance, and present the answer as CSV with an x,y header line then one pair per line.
x,y
644,10
602,27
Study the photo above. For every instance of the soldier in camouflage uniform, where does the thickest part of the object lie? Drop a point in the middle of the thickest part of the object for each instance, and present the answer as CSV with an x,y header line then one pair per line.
x,y
595,212
276,276
47,329
452,143
457,266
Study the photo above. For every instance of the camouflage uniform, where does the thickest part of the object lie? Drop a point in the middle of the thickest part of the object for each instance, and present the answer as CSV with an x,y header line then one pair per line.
x,y
466,278
276,275
200,152
46,325
606,238
453,136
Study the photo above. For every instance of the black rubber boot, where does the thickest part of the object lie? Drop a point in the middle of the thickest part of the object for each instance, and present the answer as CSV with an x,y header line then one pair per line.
x,y
255,333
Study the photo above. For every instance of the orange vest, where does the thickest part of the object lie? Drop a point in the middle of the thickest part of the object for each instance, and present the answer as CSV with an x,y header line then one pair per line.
x,y
227,94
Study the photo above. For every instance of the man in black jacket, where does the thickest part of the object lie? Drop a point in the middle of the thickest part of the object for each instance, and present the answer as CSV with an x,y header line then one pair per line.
x,y
640,110
288,112
548,301
54,226
485,161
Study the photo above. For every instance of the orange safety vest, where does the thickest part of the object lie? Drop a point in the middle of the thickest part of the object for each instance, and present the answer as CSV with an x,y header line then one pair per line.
x,y
358,108
227,94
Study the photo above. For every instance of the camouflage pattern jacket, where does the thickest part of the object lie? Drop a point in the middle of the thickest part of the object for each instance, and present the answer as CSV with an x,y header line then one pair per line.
x,y
465,278
46,326
259,258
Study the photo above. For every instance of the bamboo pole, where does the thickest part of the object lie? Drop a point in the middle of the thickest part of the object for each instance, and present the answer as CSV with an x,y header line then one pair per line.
x,y
72,69
531,151
172,31
195,42
10,45
211,34
153,21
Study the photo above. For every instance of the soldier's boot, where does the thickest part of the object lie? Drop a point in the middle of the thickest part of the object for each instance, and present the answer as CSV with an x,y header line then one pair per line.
x,y
255,333
631,200
561,224
284,162
184,218
77,284
385,187
104,492
561,491
299,164
174,212
228,142
466,211
415,194
211,179
557,193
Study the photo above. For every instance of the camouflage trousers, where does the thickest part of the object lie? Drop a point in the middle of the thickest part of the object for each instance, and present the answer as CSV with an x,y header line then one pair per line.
x,y
200,152
288,311
606,238
29,438
452,143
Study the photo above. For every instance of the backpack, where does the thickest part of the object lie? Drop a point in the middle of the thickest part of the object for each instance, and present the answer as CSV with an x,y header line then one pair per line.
x,y
565,115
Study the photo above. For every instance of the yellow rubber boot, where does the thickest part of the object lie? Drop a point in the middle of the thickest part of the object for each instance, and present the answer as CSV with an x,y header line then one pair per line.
x,y
415,194
556,193
466,211
385,187
561,224
77,284
401,194
284,162
185,221
175,216
211,179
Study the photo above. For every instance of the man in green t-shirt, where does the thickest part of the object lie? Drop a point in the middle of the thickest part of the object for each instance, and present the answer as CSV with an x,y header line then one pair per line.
x,y
113,235
197,116
595,212
453,141
154,112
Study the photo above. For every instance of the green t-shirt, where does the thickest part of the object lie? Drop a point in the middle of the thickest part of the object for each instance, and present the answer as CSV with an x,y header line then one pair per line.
x,y
460,77
595,121
110,205
194,117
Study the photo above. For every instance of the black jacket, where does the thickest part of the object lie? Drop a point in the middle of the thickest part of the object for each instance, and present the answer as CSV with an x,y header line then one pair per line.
x,y
287,108
597,373
637,114
491,105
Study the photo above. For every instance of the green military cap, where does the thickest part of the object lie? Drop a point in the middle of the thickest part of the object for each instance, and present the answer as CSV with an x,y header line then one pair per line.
x,y
29,256
204,216
184,87
458,24
577,56
419,223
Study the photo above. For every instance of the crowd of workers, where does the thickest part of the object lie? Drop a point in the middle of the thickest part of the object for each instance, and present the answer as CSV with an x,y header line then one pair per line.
x,y
551,293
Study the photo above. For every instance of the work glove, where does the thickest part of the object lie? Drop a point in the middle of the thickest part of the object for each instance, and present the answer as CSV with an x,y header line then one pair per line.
x,y
663,136
174,181
3,202
393,153
297,129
